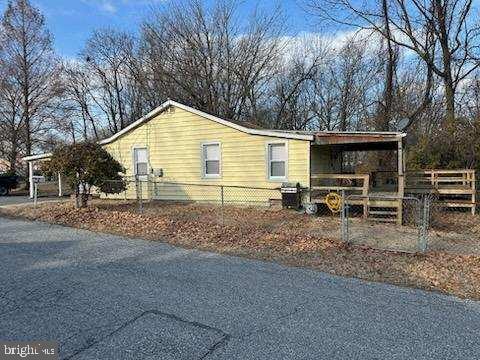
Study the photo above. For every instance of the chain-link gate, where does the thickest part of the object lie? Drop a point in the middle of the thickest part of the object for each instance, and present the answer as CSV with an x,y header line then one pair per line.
x,y
385,222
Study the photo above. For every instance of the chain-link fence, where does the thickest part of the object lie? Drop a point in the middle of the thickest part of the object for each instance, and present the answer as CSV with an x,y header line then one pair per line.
x,y
230,206
51,188
144,189
385,222
326,215
413,223
219,203
452,227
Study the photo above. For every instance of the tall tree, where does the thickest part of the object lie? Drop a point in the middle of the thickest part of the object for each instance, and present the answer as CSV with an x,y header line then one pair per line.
x,y
26,50
209,58
443,33
107,55
10,118
78,90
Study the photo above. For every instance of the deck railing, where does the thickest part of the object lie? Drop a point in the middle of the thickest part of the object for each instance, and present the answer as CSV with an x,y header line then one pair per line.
x,y
337,184
342,178
449,184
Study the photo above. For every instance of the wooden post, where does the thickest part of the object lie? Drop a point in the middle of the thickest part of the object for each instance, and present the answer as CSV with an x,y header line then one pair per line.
x,y
30,179
474,200
401,182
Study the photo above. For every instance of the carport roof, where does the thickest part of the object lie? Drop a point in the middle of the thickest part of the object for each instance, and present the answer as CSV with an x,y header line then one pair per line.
x,y
37,157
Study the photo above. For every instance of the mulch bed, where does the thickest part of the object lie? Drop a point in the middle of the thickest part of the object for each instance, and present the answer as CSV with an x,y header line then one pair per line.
x,y
277,235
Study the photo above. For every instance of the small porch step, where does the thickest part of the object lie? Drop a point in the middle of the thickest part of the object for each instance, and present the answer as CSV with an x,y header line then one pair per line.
x,y
379,219
382,212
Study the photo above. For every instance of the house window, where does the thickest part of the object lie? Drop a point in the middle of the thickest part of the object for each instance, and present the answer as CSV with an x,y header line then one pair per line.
x,y
140,158
211,159
277,161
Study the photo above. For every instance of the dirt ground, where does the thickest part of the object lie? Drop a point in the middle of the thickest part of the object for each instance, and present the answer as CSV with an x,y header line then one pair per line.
x,y
270,234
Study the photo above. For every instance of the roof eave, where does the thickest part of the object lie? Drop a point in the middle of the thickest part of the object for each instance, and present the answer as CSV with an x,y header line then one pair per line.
x,y
37,157
241,128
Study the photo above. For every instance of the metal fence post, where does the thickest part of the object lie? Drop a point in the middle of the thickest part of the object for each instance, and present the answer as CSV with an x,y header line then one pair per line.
x,y
344,218
222,204
138,186
424,227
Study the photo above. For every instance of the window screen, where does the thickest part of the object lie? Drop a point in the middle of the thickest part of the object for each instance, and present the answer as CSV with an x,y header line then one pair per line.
x,y
277,159
141,161
211,159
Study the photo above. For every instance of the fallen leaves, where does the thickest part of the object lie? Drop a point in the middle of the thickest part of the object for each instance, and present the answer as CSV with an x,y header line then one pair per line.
x,y
284,236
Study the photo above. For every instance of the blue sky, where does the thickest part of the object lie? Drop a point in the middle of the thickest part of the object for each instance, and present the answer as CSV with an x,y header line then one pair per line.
x,y
72,21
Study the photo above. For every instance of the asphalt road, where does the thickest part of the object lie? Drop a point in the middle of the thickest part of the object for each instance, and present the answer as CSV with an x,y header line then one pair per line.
x,y
107,297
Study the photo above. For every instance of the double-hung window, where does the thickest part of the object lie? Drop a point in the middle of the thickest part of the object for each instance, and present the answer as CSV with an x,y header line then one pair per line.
x,y
277,161
140,161
211,160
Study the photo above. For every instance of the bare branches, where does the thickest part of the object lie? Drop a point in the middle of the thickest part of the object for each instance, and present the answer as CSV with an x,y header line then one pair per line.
x,y
30,74
427,28
203,57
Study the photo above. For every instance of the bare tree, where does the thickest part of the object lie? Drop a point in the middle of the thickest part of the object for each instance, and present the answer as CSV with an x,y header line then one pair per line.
x,y
26,48
11,124
107,55
297,71
343,91
443,33
78,85
202,56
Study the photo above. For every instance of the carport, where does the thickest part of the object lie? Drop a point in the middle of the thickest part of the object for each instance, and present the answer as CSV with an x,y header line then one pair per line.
x,y
33,160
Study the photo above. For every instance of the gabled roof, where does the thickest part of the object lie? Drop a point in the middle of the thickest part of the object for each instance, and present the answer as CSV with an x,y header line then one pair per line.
x,y
319,137
234,125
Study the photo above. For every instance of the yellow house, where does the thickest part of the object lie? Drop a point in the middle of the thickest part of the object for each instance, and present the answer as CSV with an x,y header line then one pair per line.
x,y
182,151
176,144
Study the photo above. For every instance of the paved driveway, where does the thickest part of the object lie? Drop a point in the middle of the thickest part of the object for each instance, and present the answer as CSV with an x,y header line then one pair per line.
x,y
107,297
25,200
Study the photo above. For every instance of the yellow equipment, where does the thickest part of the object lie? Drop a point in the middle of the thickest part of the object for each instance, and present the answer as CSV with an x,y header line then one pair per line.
x,y
334,202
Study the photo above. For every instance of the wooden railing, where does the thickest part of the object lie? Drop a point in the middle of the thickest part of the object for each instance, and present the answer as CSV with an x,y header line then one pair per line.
x,y
365,178
350,189
462,181
449,184
363,189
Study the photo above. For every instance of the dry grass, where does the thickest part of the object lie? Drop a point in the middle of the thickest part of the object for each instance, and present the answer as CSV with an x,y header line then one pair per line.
x,y
277,235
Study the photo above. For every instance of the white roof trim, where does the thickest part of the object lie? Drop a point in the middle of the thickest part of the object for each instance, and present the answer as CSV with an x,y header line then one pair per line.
x,y
37,157
360,133
165,105
287,134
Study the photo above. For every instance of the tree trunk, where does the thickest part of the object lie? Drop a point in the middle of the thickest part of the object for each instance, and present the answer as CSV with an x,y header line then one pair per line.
x,y
82,193
449,106
84,199
81,200
385,113
447,76
13,154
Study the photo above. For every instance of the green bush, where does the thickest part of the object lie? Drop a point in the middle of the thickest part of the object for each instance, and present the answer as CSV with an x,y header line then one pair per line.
x,y
87,165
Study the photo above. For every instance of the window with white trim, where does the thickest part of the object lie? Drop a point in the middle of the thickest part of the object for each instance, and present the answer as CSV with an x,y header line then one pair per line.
x,y
277,161
211,159
140,160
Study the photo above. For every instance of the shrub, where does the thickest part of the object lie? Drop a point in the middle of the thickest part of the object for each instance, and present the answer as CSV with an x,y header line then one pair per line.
x,y
86,165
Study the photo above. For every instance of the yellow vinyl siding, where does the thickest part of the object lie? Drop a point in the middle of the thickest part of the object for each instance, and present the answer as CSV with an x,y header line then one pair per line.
x,y
174,143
